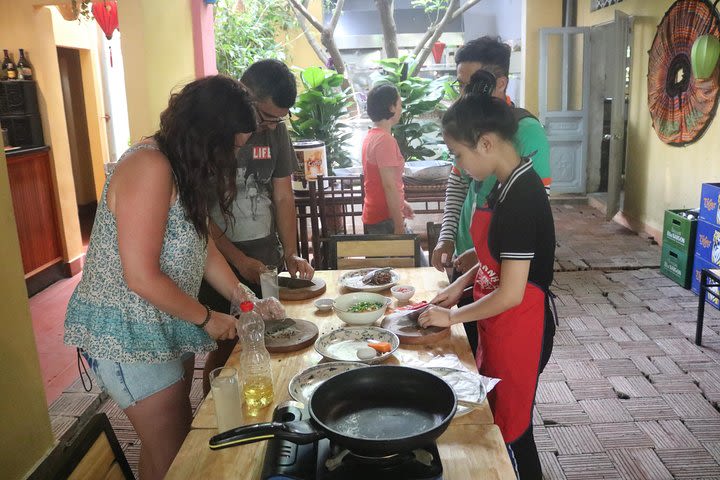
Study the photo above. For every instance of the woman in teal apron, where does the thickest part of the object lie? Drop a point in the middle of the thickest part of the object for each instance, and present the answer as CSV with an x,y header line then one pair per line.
x,y
514,240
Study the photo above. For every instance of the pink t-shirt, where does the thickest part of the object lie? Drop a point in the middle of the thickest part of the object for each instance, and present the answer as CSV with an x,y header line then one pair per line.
x,y
380,149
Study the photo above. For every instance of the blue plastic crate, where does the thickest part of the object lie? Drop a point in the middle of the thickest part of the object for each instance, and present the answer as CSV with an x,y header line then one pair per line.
x,y
707,243
710,203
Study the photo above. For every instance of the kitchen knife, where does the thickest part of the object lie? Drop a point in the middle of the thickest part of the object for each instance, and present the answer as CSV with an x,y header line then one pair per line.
x,y
294,283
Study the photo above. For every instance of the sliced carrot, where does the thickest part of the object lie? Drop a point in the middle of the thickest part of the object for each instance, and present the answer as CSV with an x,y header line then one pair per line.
x,y
382,347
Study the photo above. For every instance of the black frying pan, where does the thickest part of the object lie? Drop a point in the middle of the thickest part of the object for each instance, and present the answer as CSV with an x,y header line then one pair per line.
x,y
371,411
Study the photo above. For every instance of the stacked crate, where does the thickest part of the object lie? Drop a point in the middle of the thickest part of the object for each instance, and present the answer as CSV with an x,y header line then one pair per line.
x,y
678,245
707,245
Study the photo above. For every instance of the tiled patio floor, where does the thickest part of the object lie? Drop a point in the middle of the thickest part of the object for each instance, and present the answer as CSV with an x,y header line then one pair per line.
x,y
626,394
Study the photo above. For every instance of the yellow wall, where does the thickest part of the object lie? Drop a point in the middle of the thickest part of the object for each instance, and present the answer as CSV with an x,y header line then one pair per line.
x,y
24,25
537,14
658,176
25,435
300,53
158,56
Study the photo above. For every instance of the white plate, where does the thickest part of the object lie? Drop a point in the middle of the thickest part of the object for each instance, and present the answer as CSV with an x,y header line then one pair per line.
x,y
467,386
342,344
303,384
353,281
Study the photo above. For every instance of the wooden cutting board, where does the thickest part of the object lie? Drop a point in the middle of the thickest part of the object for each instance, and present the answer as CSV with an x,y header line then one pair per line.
x,y
411,333
289,335
317,289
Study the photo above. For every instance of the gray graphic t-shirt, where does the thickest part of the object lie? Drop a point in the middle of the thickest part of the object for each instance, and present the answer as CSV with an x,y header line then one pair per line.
x,y
268,154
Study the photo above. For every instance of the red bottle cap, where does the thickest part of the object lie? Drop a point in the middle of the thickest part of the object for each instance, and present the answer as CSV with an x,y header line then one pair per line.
x,y
247,306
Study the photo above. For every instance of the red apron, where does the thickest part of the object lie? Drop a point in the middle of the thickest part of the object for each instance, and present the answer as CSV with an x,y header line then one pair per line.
x,y
509,344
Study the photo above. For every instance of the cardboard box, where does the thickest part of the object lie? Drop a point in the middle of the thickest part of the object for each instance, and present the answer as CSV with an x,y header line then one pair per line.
x,y
707,246
710,203
679,231
676,264
698,265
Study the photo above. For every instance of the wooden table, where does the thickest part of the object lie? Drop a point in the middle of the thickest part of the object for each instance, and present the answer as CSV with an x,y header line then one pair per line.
x,y
472,443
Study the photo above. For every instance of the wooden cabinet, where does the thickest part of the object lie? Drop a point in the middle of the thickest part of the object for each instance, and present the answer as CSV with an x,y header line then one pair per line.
x,y
33,196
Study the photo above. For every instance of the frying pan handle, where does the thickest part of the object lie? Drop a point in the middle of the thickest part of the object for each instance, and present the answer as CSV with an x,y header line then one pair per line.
x,y
298,432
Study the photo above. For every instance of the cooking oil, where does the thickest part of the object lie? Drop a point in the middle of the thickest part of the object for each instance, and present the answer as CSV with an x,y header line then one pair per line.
x,y
258,393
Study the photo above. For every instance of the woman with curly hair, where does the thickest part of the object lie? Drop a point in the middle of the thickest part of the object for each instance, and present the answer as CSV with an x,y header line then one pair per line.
x,y
135,314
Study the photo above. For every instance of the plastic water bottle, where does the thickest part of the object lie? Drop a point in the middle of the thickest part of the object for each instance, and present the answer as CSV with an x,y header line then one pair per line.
x,y
254,360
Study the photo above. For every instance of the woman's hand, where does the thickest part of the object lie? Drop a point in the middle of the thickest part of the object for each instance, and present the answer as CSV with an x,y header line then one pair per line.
x,y
449,295
221,326
270,309
435,317
466,260
407,210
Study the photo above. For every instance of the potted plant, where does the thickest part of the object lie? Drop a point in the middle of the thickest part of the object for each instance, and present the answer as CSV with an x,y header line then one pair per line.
x,y
318,112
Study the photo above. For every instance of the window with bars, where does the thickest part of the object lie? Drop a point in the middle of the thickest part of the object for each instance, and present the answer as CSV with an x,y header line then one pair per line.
x,y
598,4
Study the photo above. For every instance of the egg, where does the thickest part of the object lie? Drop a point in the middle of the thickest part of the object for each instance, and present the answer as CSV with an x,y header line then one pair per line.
x,y
366,353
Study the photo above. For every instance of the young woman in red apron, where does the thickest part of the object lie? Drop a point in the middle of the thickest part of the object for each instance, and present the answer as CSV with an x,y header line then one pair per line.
x,y
514,240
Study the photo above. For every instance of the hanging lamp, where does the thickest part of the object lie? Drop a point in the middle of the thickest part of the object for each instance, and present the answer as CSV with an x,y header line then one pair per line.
x,y
106,15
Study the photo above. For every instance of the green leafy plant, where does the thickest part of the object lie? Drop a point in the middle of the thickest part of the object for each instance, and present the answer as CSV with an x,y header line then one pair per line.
x,y
250,33
318,112
421,99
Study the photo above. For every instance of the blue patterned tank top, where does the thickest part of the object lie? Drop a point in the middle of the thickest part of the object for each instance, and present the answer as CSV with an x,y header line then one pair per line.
x,y
109,321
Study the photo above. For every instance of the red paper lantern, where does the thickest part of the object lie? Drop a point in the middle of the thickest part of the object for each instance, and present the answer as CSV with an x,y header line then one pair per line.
x,y
105,13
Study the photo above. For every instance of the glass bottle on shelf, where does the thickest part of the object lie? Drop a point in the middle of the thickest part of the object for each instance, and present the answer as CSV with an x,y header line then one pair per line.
x,y
24,68
254,360
9,70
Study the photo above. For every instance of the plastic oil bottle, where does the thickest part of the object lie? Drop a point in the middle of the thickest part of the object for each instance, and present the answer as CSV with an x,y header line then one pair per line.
x,y
254,361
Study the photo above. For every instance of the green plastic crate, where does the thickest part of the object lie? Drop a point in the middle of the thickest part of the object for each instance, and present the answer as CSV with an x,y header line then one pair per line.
x,y
679,231
676,265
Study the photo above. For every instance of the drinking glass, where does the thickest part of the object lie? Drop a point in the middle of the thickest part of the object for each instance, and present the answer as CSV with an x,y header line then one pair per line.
x,y
226,389
269,282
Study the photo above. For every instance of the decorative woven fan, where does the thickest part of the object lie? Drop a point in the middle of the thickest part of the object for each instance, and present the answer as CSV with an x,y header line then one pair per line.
x,y
681,106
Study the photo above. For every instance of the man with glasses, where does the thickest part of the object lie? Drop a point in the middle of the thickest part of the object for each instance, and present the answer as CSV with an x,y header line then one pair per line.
x,y
264,229
464,194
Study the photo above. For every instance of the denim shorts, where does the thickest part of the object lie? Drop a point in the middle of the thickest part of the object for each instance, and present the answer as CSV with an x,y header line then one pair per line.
x,y
128,383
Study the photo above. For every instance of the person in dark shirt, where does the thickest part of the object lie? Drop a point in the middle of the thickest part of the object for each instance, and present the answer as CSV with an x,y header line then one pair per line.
x,y
514,239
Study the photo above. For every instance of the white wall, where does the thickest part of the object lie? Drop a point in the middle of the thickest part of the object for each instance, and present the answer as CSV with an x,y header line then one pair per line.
x,y
494,17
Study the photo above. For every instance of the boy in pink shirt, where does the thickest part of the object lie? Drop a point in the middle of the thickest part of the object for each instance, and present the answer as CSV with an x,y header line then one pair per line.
x,y
385,208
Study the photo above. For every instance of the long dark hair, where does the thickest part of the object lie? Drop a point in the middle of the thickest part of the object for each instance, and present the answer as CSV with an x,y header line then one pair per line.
x,y
197,135
476,113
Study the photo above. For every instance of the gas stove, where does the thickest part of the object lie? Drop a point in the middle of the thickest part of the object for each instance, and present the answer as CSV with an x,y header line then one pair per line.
x,y
323,461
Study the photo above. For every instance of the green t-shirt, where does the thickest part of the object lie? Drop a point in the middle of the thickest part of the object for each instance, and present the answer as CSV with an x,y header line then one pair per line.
x,y
530,141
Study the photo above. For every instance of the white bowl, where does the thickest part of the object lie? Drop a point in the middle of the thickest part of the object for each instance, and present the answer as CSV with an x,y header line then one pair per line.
x,y
403,292
324,304
344,302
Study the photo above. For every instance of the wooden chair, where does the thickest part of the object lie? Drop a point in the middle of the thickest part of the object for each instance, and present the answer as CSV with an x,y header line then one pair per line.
x,y
93,453
340,203
433,235
308,222
361,251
